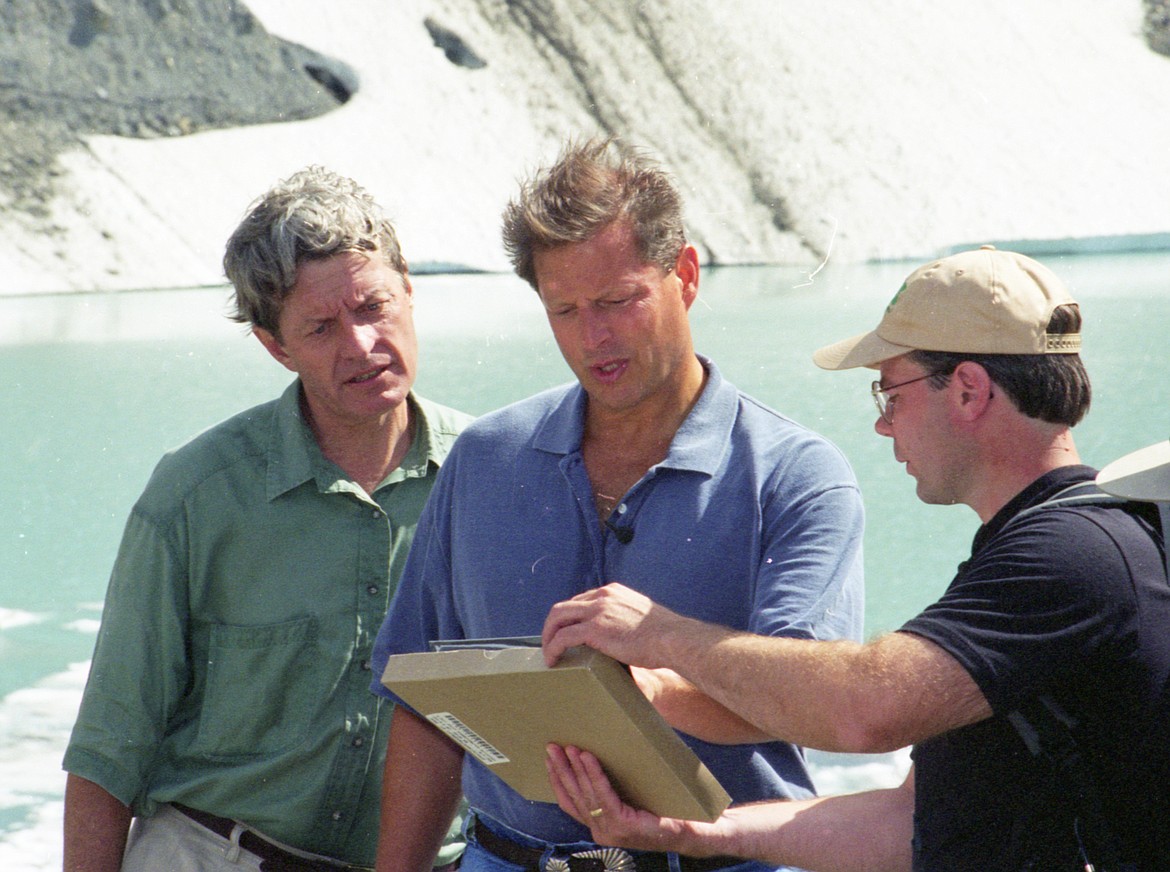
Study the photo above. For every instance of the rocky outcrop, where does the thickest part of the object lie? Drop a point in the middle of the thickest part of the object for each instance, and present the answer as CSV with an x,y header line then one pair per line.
x,y
140,129
70,69
1156,27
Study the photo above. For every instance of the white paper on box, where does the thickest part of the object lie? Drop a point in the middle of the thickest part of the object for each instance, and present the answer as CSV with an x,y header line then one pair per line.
x,y
468,739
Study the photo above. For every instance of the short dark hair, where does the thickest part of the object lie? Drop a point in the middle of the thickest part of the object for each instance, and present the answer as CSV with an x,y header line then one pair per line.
x,y
1050,387
591,185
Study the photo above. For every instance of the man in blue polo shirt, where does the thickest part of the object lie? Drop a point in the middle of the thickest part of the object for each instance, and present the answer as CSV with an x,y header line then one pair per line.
x,y
651,469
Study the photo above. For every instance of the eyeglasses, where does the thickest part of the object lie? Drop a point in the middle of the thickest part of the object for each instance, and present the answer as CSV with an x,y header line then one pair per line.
x,y
883,400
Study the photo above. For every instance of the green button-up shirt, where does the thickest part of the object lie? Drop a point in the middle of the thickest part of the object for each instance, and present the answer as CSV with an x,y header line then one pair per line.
x,y
231,671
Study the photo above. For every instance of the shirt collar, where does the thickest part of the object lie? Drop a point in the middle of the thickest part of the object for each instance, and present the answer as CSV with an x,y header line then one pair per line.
x,y
294,457
698,445
1037,492
423,449
292,450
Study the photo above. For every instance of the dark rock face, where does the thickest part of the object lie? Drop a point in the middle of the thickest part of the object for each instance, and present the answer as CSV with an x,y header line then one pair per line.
x,y
454,47
142,68
1157,25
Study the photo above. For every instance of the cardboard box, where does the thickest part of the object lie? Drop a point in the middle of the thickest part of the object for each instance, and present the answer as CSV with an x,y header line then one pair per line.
x,y
504,706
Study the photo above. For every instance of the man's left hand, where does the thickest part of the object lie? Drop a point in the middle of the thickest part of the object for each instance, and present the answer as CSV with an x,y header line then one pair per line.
x,y
585,793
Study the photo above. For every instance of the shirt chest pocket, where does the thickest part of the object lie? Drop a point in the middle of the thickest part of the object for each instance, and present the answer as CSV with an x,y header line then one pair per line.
x,y
264,686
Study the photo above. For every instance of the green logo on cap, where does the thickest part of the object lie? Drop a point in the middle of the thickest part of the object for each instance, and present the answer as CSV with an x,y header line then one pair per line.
x,y
895,300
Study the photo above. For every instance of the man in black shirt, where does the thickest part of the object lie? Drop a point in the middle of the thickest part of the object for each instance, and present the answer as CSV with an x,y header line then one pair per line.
x,y
1035,691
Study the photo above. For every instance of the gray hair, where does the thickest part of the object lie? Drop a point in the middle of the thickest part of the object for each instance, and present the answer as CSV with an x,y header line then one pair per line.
x,y
311,215
591,185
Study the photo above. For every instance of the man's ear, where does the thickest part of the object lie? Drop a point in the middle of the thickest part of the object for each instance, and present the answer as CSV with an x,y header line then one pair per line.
x,y
272,346
686,267
973,388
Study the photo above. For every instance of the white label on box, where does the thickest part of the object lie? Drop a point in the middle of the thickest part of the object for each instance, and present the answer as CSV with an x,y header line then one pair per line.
x,y
471,741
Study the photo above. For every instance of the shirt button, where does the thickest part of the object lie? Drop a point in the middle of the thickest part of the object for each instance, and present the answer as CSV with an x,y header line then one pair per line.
x,y
366,665
376,513
372,590
336,815
358,741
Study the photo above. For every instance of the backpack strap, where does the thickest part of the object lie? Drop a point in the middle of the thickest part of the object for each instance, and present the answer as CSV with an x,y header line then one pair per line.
x,y
1083,493
1047,730
1087,493
1164,520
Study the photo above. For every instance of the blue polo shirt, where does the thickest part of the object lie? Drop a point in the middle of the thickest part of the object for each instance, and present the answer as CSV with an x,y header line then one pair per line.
x,y
751,521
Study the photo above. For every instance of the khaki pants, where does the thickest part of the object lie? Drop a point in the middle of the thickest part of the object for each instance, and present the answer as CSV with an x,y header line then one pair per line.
x,y
171,841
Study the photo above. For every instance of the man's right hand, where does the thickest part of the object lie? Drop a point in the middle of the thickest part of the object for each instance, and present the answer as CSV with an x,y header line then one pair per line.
x,y
615,620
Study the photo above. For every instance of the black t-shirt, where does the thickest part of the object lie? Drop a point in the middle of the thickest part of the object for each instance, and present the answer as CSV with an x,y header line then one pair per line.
x,y
1071,603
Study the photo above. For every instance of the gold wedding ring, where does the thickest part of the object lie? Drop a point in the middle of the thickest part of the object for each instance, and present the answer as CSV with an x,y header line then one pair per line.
x,y
596,812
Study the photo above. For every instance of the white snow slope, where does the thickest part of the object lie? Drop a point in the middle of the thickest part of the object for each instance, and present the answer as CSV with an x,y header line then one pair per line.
x,y
798,129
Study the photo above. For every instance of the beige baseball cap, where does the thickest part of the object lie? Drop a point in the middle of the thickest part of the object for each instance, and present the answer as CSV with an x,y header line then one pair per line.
x,y
1141,475
983,301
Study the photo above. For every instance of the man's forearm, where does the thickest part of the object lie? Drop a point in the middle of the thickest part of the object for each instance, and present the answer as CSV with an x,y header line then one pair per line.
x,y
421,788
96,824
688,709
770,682
835,695
783,687
862,832
832,695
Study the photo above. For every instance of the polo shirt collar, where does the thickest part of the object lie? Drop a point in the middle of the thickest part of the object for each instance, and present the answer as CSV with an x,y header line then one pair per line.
x,y
1034,494
294,457
704,437
698,445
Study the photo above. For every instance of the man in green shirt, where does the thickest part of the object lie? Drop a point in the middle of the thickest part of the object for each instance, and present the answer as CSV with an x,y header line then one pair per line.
x,y
227,713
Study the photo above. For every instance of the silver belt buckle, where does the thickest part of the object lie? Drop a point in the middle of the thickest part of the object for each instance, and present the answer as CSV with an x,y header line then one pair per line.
x,y
614,860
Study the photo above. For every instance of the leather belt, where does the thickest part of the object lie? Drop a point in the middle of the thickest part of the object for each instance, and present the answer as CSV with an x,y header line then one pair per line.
x,y
272,857
599,860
